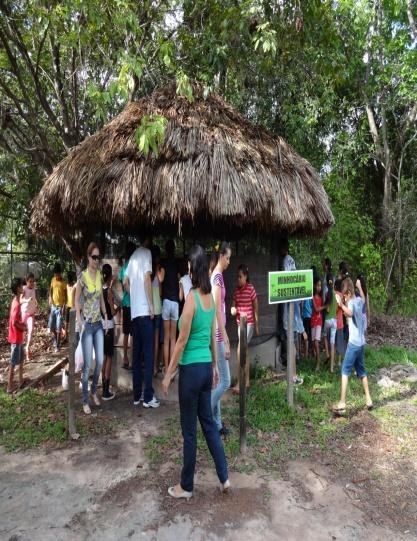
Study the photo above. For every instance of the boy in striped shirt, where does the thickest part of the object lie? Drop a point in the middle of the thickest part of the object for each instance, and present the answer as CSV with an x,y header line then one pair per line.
x,y
245,301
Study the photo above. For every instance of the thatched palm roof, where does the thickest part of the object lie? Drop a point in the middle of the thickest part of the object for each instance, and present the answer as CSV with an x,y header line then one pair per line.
x,y
215,171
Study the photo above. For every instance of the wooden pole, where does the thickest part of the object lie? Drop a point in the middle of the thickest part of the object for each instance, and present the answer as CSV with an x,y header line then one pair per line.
x,y
290,355
72,429
242,382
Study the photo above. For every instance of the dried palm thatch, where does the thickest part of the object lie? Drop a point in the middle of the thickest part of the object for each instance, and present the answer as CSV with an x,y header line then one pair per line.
x,y
216,172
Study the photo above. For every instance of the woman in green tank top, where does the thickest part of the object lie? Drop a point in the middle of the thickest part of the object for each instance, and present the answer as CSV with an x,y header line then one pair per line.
x,y
195,352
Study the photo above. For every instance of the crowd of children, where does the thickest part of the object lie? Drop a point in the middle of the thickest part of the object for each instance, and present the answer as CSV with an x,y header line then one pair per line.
x,y
333,321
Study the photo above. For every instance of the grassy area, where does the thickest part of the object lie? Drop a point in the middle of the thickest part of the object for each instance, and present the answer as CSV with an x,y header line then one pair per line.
x,y
277,433
31,419
36,418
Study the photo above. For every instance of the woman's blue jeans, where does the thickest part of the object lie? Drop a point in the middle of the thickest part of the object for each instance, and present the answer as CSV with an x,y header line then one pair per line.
x,y
224,384
93,336
194,389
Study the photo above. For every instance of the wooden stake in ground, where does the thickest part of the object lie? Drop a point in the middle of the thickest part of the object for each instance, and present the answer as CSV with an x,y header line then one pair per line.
x,y
290,355
71,377
242,381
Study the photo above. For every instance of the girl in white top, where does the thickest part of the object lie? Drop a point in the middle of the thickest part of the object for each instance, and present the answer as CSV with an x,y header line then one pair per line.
x,y
185,286
29,305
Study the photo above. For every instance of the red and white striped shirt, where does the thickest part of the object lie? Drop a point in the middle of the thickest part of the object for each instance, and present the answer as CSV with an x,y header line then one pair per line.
x,y
243,298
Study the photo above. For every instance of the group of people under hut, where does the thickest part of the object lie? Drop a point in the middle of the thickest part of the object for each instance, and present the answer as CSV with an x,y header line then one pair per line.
x,y
184,310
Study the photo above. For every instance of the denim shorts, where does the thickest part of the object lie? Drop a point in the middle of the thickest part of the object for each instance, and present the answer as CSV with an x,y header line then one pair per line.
x,y
249,333
170,310
331,327
354,357
55,319
16,354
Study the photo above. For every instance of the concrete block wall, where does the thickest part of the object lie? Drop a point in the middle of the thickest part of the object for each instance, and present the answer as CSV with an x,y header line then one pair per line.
x,y
262,349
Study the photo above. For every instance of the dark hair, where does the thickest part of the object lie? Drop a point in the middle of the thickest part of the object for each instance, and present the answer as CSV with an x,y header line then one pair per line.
x,y
316,281
170,248
199,269
244,270
316,275
224,247
156,257
214,259
57,268
362,280
71,277
284,245
338,285
329,280
91,247
328,263
106,271
143,236
343,269
184,266
130,248
16,283
29,276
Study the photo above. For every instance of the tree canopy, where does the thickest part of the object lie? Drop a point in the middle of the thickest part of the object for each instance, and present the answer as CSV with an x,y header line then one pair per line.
x,y
337,80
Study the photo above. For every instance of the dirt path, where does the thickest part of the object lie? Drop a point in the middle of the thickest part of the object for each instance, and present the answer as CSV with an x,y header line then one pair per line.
x,y
103,488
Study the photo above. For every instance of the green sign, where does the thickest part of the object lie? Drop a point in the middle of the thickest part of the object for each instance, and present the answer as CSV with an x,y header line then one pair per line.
x,y
290,286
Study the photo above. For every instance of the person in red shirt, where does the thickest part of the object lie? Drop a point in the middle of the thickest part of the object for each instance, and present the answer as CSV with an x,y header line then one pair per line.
x,y
317,321
245,301
15,338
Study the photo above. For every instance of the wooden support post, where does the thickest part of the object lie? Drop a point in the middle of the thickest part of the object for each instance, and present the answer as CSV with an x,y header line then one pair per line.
x,y
242,382
72,429
290,355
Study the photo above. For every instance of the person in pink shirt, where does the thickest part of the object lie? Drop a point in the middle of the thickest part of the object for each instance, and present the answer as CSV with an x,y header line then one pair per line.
x,y
222,340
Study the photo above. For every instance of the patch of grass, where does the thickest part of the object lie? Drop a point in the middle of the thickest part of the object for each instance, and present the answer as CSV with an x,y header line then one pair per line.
x,y
170,441
35,418
31,419
277,433
280,432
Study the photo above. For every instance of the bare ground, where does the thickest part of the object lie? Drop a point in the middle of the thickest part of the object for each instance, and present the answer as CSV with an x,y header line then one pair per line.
x,y
104,488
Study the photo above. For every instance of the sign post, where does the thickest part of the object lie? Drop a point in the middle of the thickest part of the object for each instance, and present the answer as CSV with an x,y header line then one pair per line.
x,y
242,382
287,287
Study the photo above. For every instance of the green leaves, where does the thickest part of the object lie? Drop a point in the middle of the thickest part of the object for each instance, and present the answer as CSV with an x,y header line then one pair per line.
x,y
266,38
184,87
150,134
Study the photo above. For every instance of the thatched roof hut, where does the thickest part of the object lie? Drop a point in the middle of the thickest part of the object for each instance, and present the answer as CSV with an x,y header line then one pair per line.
x,y
216,173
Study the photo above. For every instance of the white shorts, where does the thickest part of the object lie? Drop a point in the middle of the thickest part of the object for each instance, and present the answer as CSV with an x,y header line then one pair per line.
x,y
330,328
249,332
316,333
170,310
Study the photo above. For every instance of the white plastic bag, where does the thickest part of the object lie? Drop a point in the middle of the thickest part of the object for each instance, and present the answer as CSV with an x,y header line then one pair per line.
x,y
79,359
65,379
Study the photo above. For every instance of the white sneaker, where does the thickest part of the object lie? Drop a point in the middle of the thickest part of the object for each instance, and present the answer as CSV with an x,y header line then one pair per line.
x,y
224,487
137,402
154,403
86,409
95,399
